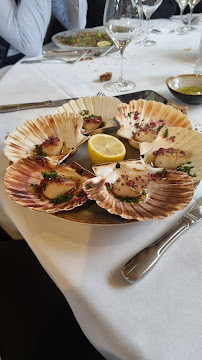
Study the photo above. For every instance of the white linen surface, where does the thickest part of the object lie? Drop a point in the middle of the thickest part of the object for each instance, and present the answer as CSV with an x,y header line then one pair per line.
x,y
159,317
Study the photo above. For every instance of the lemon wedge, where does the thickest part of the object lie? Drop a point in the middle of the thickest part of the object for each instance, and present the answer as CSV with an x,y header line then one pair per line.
x,y
104,148
103,43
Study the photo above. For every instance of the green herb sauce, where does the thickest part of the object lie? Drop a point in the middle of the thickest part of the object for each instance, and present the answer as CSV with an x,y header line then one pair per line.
x,y
191,90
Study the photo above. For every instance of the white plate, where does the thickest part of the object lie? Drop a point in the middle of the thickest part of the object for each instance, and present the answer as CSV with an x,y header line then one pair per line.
x,y
73,32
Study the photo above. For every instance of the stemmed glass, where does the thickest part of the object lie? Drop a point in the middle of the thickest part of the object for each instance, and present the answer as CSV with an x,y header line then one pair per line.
x,y
192,4
149,7
122,22
182,30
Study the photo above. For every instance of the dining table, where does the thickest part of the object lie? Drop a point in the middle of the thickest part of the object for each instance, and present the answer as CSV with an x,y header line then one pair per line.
x,y
160,316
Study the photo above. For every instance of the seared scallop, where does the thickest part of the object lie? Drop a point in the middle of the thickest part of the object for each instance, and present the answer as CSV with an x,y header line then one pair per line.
x,y
52,146
55,188
102,108
135,190
42,185
141,120
56,137
169,158
176,148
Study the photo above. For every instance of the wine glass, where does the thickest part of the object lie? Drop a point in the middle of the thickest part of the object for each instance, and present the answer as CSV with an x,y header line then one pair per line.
x,y
122,22
182,30
149,7
192,4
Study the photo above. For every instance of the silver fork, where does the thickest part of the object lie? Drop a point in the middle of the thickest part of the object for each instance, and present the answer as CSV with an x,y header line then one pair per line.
x,y
100,93
55,58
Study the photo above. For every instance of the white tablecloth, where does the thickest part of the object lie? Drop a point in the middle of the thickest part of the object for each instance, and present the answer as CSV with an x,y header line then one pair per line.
x,y
159,317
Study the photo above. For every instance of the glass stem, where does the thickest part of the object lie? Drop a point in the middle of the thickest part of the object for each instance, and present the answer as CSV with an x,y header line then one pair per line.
x,y
190,17
181,13
121,53
147,28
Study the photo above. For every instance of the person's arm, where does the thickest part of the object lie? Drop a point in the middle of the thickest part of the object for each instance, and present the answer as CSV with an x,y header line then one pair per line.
x,y
165,10
70,13
24,26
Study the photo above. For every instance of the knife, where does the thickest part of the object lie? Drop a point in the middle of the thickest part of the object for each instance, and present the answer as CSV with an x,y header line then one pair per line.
x,y
25,106
139,265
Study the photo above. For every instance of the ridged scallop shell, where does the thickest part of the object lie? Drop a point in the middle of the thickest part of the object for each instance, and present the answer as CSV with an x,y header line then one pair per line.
x,y
165,192
20,175
141,116
188,141
67,127
105,106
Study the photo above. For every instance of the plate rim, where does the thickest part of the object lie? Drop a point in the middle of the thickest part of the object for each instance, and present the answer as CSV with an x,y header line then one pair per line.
x,y
74,31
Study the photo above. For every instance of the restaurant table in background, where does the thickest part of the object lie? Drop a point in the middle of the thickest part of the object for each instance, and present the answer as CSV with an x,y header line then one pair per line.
x,y
160,317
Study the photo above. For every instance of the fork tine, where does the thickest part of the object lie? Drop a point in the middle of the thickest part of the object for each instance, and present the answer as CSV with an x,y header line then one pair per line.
x,y
80,57
100,93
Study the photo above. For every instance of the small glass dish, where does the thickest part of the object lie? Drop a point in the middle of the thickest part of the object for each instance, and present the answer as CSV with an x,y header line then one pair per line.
x,y
187,88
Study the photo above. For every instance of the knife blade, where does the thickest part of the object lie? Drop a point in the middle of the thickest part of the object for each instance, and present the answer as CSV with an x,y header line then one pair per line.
x,y
140,264
25,106
53,53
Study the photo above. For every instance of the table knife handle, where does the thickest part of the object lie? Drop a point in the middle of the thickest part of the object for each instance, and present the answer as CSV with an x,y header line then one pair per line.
x,y
140,264
16,107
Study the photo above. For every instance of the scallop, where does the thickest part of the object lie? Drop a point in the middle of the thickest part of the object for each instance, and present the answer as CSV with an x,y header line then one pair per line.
x,y
25,180
175,148
133,189
98,112
53,136
141,120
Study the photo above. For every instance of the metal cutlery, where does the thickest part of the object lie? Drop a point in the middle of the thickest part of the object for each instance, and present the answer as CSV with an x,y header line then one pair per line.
x,y
55,58
97,53
34,105
55,53
155,31
26,106
100,54
60,55
140,264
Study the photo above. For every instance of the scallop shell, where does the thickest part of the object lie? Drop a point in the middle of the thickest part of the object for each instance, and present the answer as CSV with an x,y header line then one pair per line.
x,y
166,192
21,174
141,116
21,142
188,141
105,106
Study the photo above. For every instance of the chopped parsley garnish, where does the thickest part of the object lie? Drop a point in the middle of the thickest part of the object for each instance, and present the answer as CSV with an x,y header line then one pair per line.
x,y
161,171
61,198
186,169
39,152
103,123
50,176
159,128
84,113
128,199
165,133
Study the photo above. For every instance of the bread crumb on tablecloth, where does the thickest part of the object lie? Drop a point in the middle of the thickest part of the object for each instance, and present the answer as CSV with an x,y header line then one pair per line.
x,y
106,76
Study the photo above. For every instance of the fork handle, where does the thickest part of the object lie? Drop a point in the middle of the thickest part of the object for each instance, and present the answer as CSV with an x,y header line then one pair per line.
x,y
140,264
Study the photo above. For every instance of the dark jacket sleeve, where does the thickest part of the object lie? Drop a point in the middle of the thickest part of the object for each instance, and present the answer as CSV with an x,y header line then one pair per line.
x,y
197,9
165,10
96,10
